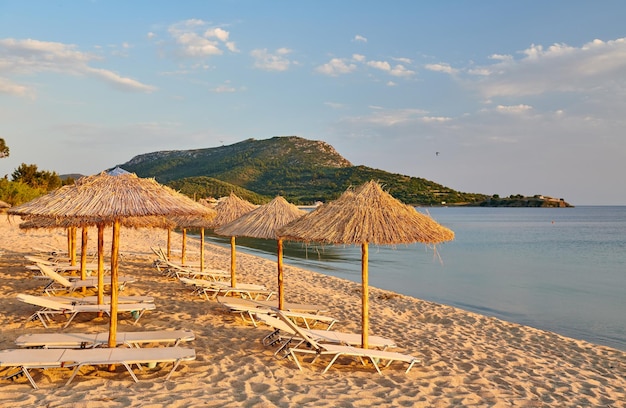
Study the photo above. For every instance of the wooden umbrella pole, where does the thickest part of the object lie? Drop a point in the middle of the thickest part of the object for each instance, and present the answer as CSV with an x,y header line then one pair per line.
x,y
83,257
281,292
115,245
100,266
69,243
364,277
201,249
169,244
233,262
72,254
184,249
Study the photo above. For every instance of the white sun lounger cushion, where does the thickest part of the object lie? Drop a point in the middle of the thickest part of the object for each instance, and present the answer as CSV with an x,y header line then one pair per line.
x,y
89,340
25,359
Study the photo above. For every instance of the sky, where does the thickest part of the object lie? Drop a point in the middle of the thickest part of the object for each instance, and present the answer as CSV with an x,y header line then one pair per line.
x,y
491,97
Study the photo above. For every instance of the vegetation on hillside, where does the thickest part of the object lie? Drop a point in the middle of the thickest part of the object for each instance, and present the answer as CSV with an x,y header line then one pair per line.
x,y
301,170
28,182
519,200
205,187
16,193
4,149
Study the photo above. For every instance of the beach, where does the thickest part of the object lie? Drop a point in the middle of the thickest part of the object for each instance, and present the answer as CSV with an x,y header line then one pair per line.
x,y
467,359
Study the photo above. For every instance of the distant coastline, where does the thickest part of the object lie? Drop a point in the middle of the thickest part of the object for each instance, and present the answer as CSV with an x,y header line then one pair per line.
x,y
538,201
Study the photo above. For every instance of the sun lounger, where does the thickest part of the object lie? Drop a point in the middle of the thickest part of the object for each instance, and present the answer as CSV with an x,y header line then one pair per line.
x,y
60,266
51,253
51,308
48,250
213,289
310,346
180,271
290,306
249,309
86,300
161,260
23,360
36,260
243,290
59,282
90,340
160,253
63,268
284,336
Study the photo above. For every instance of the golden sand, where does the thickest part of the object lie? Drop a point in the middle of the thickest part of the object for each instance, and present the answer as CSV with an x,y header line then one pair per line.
x,y
469,359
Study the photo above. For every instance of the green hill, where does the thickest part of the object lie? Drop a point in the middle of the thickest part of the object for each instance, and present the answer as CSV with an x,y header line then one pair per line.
x,y
303,171
203,187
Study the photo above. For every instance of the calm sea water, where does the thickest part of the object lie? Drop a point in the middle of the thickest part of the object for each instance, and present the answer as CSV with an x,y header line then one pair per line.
x,y
562,270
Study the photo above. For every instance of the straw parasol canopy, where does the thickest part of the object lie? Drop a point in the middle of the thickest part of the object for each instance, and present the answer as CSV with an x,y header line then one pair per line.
x,y
228,210
263,222
231,208
4,205
363,216
201,222
105,199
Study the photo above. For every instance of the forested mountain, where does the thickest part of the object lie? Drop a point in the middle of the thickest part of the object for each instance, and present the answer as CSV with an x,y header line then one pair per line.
x,y
301,170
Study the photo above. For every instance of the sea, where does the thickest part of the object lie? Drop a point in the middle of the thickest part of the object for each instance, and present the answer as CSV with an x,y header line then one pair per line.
x,y
556,269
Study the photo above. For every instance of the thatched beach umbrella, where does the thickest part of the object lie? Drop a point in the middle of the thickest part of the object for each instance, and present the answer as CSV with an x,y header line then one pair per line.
x,y
199,222
263,222
104,199
228,210
368,215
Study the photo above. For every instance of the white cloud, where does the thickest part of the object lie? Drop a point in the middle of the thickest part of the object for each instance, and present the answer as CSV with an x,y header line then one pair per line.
x,y
382,65
10,88
29,57
514,109
398,71
392,117
195,40
339,66
334,105
401,71
501,57
406,61
336,66
479,71
359,38
224,89
441,67
119,81
277,61
597,66
427,119
218,33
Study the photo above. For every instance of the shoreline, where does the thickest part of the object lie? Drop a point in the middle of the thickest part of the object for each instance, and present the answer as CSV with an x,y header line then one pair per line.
x,y
469,359
344,263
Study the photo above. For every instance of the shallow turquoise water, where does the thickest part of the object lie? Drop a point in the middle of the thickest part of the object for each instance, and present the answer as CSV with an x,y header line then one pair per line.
x,y
562,270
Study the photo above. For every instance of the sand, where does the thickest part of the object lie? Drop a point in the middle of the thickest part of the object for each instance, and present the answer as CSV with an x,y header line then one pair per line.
x,y
468,359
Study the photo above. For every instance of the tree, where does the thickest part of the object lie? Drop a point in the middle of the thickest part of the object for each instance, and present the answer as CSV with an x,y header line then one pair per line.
x,y
4,149
30,175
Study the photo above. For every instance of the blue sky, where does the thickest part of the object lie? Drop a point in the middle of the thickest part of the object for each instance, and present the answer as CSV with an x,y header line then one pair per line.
x,y
517,97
